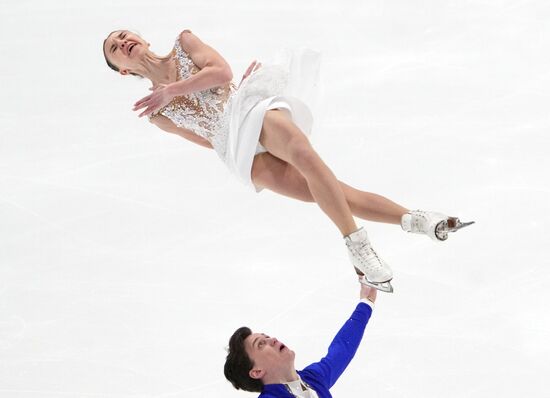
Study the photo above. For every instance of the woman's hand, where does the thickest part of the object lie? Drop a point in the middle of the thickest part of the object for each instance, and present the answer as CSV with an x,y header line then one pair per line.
x,y
155,101
254,66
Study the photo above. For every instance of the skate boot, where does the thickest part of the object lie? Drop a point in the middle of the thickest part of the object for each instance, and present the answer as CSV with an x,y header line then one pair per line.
x,y
373,271
436,225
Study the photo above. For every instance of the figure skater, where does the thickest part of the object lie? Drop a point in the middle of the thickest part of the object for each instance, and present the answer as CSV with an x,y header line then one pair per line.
x,y
258,363
259,131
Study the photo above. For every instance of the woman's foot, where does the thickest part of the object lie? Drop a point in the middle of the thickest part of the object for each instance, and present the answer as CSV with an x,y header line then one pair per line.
x,y
436,225
374,271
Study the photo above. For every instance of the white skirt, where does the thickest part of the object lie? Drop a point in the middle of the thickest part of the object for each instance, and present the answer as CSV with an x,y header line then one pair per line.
x,y
289,86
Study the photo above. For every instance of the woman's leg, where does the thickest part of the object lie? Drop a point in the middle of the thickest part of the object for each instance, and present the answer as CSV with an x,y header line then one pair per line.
x,y
281,177
282,138
373,207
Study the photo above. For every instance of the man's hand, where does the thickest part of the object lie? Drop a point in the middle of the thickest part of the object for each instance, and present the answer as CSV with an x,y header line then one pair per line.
x,y
368,293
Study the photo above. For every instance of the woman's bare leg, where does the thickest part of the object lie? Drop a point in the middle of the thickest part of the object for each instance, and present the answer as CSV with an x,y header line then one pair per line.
x,y
281,177
282,138
285,141
373,207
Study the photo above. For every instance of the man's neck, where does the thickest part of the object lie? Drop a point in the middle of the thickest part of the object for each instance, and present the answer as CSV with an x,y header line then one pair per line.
x,y
282,377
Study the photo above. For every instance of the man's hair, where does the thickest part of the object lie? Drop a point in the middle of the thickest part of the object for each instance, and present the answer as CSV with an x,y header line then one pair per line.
x,y
238,364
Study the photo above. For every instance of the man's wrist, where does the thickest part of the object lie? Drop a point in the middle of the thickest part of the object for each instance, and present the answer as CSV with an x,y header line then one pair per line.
x,y
368,302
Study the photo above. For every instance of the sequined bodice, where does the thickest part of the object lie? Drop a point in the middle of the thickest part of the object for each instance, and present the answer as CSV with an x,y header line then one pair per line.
x,y
202,112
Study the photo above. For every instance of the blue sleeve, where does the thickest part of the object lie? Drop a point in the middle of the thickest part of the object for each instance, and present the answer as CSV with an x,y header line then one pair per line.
x,y
343,347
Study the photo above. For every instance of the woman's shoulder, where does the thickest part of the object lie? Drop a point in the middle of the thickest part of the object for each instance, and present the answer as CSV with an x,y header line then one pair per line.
x,y
182,52
184,38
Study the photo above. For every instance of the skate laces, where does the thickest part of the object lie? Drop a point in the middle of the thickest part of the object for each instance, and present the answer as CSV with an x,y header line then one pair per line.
x,y
366,254
419,221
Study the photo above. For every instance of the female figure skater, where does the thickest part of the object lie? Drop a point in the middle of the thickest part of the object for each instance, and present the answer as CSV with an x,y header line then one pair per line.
x,y
259,131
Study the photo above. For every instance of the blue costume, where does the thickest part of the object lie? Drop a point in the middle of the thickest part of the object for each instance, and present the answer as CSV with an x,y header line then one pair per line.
x,y
322,375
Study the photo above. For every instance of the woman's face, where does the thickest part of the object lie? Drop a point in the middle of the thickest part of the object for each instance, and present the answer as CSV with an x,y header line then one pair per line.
x,y
124,49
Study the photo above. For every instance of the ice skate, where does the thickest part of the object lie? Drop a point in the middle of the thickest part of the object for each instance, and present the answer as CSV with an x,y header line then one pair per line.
x,y
436,225
373,271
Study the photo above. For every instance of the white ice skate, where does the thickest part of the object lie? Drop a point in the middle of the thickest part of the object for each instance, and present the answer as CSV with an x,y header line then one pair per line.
x,y
436,225
373,271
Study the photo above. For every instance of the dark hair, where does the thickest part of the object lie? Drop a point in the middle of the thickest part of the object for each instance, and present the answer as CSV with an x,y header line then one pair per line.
x,y
109,63
238,363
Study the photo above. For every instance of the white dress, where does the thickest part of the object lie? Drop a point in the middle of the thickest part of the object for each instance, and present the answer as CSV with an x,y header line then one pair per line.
x,y
231,119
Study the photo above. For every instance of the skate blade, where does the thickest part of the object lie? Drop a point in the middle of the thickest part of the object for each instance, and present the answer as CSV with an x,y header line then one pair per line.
x,y
454,224
385,287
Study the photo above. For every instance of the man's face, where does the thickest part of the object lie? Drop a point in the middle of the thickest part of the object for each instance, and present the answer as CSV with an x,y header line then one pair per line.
x,y
269,356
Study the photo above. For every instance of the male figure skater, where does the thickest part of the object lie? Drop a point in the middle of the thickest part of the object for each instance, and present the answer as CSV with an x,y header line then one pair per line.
x,y
259,363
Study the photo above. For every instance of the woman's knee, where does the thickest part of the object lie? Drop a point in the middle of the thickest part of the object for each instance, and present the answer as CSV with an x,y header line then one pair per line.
x,y
297,148
302,155
274,120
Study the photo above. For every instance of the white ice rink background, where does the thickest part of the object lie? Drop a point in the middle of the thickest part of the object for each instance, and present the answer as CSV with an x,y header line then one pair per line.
x,y
128,256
